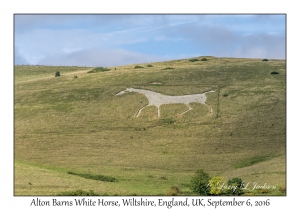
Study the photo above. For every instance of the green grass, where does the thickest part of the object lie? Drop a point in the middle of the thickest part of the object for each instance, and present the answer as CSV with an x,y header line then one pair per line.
x,y
79,125
32,73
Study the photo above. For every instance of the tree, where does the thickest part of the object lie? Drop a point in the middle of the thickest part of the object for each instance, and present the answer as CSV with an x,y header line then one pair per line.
x,y
237,186
200,182
216,184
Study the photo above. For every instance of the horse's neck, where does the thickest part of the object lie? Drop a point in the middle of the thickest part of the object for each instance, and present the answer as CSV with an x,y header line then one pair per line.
x,y
145,92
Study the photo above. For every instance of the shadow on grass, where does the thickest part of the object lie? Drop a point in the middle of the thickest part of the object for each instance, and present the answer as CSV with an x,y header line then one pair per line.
x,y
252,161
94,177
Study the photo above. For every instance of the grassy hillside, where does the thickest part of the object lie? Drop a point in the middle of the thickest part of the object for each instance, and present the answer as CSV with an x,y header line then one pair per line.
x,y
66,124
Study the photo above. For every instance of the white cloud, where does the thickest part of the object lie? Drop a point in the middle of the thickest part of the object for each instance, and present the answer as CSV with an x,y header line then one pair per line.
x,y
271,33
37,44
18,58
67,50
41,38
251,52
99,57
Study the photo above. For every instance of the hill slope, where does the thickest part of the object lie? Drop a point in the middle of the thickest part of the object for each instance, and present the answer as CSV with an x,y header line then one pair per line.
x,y
67,124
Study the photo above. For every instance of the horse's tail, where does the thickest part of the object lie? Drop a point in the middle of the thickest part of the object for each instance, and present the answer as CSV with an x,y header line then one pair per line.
x,y
210,91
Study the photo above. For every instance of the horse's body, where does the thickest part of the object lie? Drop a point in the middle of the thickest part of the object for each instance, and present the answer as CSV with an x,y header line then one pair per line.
x,y
158,99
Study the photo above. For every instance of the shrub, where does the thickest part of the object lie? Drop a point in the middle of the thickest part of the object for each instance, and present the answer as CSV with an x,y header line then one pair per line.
x,y
274,72
174,190
193,60
282,189
264,59
57,74
168,120
75,76
200,182
238,185
98,69
225,95
78,193
138,67
215,184
149,65
167,68
204,59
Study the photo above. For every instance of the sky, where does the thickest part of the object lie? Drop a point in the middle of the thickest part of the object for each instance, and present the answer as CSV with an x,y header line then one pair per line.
x,y
120,39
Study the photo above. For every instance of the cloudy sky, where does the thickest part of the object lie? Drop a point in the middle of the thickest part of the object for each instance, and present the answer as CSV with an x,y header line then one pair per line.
x,y
112,40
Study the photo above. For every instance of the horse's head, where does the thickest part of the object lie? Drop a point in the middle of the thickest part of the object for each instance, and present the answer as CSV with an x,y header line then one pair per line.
x,y
124,91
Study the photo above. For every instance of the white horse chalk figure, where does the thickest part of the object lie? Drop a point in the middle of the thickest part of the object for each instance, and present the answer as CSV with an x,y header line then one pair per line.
x,y
158,99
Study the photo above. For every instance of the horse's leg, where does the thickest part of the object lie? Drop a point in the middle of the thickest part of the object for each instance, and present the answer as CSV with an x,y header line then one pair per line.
x,y
209,108
139,112
158,112
186,110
